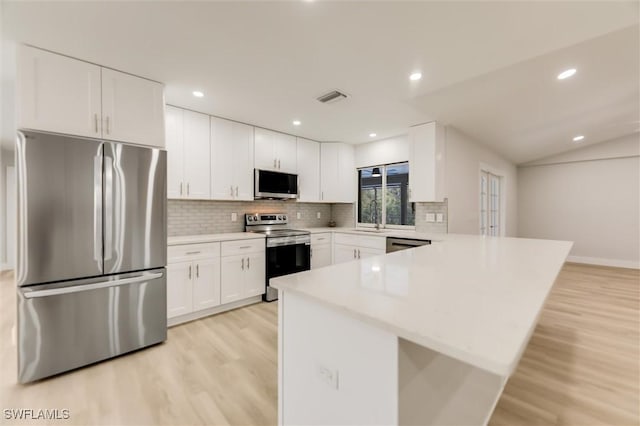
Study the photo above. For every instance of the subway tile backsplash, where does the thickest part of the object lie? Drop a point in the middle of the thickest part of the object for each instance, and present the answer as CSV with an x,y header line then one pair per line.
x,y
193,217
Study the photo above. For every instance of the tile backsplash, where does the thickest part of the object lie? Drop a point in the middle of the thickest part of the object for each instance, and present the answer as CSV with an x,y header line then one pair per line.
x,y
193,217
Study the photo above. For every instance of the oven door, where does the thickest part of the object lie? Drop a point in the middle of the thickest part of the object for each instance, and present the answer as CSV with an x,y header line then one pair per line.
x,y
286,259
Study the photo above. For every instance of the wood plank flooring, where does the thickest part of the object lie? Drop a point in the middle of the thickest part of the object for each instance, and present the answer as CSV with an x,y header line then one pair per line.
x,y
580,368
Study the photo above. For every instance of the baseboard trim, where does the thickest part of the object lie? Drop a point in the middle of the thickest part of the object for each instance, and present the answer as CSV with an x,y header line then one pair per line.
x,y
212,311
605,262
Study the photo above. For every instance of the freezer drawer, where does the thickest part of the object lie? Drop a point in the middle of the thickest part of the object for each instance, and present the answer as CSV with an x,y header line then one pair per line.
x,y
68,325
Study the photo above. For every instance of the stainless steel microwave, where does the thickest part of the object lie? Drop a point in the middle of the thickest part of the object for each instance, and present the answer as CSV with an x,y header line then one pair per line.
x,y
275,185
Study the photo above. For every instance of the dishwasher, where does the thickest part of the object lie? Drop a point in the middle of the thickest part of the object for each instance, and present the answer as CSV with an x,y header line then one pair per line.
x,y
397,244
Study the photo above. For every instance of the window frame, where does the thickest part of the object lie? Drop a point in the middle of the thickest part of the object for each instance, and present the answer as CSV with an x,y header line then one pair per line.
x,y
383,218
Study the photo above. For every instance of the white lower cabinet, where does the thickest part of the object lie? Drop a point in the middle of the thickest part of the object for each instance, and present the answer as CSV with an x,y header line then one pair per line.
x,y
243,270
193,278
320,250
348,247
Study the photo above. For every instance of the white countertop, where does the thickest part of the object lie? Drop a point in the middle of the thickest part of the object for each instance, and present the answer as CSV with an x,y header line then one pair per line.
x,y
401,233
474,298
212,238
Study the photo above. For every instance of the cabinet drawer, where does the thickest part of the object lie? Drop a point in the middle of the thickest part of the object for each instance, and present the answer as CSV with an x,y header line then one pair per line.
x,y
230,248
193,251
324,238
379,243
347,239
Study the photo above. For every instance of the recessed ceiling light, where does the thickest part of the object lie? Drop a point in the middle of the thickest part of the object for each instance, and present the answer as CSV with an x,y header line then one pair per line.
x,y
566,73
578,138
415,76
198,94
372,135
297,122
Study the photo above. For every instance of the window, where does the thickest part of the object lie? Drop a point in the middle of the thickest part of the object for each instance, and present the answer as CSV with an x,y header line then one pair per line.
x,y
490,202
383,196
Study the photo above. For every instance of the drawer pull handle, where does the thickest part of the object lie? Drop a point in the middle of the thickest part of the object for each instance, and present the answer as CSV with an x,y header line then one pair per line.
x,y
193,252
245,247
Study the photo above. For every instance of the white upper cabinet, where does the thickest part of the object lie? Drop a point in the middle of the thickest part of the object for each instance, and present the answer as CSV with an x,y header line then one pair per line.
x,y
132,109
188,154
231,160
175,151
337,173
308,162
58,94
275,151
426,163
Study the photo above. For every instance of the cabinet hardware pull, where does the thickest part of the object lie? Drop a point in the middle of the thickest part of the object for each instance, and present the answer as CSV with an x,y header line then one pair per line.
x,y
358,253
275,163
107,124
189,271
231,190
243,263
278,164
236,191
248,263
193,252
180,188
322,196
95,120
197,271
354,253
187,188
310,252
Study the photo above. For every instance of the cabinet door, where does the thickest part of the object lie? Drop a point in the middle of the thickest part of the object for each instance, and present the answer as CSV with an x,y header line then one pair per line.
x,y
329,180
232,278
308,163
179,289
243,161
343,253
320,255
369,252
222,159
197,156
206,283
255,273
285,150
57,94
264,154
132,109
175,152
347,177
426,163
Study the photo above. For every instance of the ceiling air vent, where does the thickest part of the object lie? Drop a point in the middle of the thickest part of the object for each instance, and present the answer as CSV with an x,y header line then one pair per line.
x,y
331,97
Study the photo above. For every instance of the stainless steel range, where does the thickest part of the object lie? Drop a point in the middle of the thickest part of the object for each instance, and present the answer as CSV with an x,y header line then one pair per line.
x,y
288,250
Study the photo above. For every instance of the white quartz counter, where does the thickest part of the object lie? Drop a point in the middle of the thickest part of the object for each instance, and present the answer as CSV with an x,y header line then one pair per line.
x,y
212,238
398,233
473,298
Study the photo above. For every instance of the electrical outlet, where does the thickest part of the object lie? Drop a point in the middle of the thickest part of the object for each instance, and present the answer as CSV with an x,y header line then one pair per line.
x,y
430,217
234,217
319,215
439,217
298,215
330,377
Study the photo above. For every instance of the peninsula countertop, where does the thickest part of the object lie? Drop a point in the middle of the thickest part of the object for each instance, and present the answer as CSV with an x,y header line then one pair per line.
x,y
473,298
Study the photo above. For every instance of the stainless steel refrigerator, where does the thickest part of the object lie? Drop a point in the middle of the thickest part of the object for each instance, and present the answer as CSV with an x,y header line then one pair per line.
x,y
91,251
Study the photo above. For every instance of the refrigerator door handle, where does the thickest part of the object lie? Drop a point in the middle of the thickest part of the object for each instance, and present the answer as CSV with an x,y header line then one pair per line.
x,y
97,209
108,207
93,286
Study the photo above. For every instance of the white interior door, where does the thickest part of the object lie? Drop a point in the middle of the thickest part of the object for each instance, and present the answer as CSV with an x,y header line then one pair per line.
x,y
490,204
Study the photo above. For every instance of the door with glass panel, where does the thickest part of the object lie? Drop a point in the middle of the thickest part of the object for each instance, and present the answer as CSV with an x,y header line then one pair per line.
x,y
490,202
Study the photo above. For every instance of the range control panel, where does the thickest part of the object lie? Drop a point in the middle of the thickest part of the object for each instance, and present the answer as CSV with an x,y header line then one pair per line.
x,y
266,219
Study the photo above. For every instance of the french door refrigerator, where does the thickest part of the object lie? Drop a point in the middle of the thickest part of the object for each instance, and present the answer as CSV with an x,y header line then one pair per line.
x,y
91,251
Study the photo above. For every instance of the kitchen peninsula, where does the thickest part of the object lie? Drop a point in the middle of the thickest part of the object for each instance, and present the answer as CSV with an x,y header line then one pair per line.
x,y
422,336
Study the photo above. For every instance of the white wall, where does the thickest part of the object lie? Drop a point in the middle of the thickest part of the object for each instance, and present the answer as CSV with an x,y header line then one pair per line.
x,y
590,196
465,158
385,151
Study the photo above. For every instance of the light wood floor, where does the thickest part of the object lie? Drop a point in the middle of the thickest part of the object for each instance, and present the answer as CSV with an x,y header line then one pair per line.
x,y
580,368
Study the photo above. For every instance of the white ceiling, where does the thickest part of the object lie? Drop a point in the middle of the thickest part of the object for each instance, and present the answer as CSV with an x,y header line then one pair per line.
x,y
489,67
